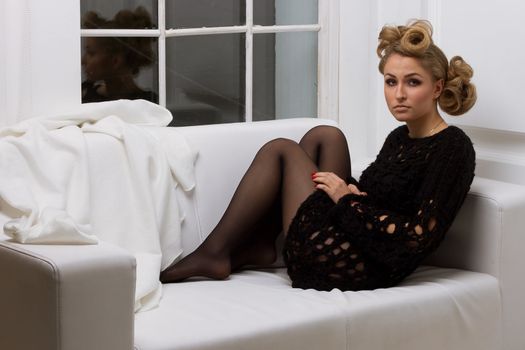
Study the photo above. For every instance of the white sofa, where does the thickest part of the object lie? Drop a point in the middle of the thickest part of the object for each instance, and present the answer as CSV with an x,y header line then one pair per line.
x,y
468,295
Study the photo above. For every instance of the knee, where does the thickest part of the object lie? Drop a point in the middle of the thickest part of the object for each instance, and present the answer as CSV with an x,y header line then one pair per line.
x,y
322,133
278,145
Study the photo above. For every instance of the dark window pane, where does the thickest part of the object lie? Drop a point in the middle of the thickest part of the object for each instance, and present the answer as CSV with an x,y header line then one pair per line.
x,y
204,13
119,14
285,75
116,68
285,12
205,79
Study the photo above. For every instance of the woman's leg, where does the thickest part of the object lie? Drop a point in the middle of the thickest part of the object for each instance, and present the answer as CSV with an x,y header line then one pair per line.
x,y
266,200
328,148
281,172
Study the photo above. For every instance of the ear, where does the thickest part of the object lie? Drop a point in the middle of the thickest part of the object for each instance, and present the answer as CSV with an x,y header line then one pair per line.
x,y
438,88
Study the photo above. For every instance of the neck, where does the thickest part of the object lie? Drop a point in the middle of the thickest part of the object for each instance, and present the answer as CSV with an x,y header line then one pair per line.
x,y
121,85
424,127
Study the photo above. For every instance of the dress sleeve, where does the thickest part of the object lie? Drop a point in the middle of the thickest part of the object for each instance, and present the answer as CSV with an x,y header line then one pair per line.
x,y
353,181
390,236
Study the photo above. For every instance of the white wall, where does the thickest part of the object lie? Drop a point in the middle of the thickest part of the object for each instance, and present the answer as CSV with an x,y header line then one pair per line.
x,y
356,73
38,68
44,77
488,34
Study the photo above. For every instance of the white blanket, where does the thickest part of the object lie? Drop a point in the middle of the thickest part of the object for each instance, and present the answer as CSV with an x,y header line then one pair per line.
x,y
97,174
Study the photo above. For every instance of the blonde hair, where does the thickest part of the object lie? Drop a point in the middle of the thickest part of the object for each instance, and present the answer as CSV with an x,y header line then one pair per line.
x,y
415,40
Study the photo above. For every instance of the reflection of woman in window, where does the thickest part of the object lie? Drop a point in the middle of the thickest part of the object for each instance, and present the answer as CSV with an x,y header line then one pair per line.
x,y
354,234
111,63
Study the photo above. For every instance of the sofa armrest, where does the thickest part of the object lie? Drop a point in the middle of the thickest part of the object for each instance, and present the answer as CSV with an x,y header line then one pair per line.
x,y
487,236
66,297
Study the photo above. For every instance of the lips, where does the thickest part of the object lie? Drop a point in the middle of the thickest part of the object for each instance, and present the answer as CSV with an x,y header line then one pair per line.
x,y
401,108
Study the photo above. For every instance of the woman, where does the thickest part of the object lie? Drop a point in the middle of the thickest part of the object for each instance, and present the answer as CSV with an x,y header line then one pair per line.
x,y
111,64
370,233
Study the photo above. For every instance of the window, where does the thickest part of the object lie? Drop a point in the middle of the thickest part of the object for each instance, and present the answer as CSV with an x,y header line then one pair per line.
x,y
210,61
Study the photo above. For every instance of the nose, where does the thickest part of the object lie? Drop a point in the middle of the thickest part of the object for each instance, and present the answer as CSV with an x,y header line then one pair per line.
x,y
400,92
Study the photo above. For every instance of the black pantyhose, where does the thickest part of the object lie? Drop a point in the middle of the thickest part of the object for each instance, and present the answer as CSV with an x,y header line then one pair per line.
x,y
264,204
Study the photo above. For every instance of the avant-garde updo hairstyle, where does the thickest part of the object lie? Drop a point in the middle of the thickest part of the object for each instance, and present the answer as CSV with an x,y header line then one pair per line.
x,y
136,50
415,40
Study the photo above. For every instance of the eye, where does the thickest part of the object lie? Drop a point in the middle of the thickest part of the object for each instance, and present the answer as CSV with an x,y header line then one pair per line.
x,y
414,82
390,82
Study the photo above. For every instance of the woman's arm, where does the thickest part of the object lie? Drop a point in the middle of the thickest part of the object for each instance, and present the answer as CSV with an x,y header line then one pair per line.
x,y
334,186
440,196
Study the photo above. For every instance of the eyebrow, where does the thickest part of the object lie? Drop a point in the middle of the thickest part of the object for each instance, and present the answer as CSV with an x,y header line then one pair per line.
x,y
407,76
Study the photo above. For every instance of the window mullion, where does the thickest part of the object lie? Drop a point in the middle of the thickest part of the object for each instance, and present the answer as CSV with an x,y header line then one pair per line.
x,y
120,32
328,58
286,28
162,52
205,31
249,62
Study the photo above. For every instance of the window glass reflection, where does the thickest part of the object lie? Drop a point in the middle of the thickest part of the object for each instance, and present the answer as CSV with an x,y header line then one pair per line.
x,y
285,75
130,13
118,67
205,13
205,79
285,12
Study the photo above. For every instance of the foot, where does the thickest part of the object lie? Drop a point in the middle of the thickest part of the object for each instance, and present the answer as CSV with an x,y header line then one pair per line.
x,y
196,264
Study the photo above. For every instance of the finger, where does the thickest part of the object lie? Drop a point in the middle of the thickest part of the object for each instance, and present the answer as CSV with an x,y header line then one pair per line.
x,y
322,173
323,179
356,190
326,175
323,187
329,183
318,175
319,179
329,176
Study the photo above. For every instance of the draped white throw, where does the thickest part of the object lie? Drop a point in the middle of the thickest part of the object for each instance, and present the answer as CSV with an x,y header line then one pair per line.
x,y
98,173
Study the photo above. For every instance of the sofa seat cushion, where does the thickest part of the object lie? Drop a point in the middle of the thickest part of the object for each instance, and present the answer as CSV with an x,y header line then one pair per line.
x,y
432,309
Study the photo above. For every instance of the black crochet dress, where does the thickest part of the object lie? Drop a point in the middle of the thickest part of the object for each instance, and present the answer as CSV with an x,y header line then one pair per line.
x,y
415,189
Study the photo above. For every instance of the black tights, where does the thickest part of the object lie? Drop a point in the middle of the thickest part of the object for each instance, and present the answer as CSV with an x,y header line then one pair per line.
x,y
264,204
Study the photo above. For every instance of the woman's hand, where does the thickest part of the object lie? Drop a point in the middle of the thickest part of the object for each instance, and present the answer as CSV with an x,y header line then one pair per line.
x,y
334,186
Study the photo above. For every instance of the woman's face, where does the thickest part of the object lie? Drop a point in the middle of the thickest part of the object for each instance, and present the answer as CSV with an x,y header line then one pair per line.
x,y
410,90
96,61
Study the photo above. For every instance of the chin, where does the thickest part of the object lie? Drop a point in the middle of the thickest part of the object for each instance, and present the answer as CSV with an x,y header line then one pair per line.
x,y
402,117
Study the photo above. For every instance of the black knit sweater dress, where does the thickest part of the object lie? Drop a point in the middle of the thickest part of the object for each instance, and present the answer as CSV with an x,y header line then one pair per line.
x,y
415,189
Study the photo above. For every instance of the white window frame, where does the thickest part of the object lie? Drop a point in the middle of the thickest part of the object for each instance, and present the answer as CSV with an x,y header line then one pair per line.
x,y
328,50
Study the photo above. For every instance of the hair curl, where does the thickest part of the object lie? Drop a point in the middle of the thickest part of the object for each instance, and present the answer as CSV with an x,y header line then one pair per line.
x,y
136,51
415,40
